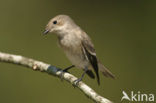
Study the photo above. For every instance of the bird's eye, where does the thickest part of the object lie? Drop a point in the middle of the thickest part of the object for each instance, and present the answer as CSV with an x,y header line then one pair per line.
x,y
55,22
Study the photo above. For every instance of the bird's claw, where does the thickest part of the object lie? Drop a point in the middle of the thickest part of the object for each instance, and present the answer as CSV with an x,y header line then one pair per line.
x,y
62,73
76,82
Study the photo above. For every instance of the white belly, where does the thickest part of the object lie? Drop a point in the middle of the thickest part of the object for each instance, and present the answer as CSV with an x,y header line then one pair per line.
x,y
77,59
72,48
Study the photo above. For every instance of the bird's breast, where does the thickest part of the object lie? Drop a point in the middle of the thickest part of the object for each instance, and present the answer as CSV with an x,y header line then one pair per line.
x,y
70,42
73,50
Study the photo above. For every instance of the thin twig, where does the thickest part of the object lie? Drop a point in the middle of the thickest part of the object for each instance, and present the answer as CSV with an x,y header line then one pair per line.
x,y
52,70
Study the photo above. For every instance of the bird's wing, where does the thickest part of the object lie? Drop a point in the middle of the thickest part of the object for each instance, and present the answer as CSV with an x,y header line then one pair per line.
x,y
89,51
90,74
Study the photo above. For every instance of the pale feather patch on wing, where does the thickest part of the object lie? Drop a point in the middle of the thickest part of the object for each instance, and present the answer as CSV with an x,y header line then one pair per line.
x,y
89,51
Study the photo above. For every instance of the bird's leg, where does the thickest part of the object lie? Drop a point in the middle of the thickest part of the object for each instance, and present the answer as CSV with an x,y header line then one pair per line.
x,y
65,70
80,79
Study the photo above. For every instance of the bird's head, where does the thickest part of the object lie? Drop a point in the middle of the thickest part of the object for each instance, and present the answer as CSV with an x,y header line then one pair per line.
x,y
59,24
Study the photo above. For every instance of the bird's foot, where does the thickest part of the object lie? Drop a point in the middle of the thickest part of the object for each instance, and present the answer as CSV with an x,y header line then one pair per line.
x,y
65,70
62,73
76,82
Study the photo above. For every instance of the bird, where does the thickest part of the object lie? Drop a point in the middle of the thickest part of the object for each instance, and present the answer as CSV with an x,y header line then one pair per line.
x,y
77,46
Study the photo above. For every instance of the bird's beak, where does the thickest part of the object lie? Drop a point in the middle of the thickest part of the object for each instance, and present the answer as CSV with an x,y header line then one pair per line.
x,y
45,32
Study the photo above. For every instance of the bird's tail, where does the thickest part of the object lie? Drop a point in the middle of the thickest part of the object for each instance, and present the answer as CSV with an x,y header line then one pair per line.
x,y
105,71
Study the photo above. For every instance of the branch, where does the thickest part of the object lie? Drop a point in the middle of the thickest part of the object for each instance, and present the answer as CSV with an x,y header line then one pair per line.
x,y
52,70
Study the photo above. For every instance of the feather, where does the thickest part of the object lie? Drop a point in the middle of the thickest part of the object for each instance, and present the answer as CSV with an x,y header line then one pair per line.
x,y
90,74
105,71
91,56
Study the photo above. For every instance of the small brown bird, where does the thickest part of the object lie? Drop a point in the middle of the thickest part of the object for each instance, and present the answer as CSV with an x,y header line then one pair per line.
x,y
77,46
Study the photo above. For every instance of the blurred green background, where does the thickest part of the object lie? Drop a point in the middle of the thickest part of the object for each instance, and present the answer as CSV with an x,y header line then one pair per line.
x,y
124,35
